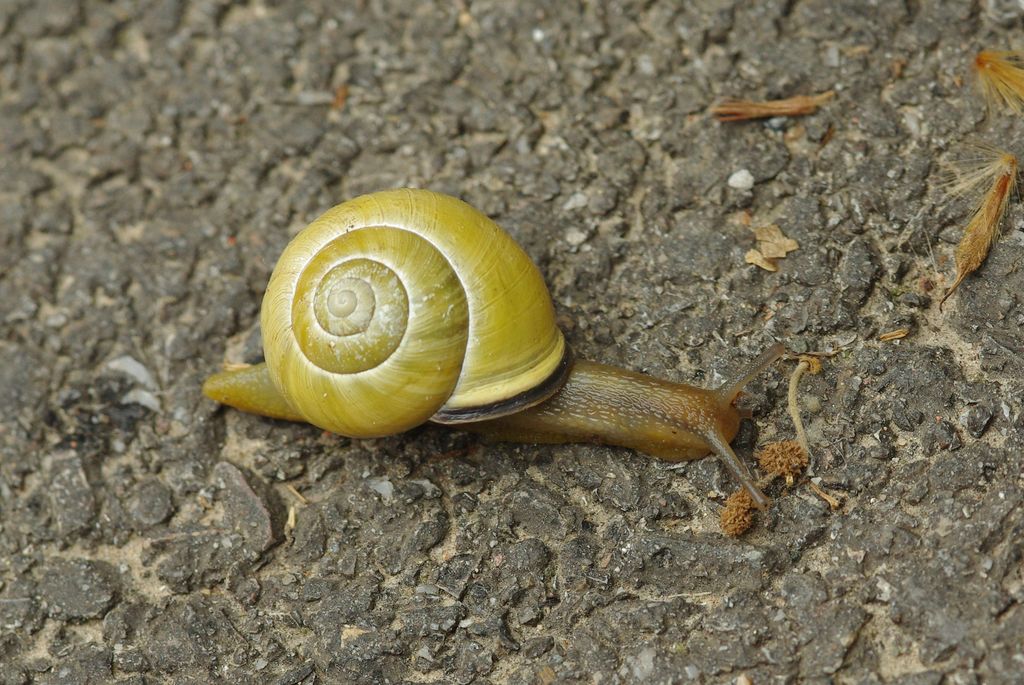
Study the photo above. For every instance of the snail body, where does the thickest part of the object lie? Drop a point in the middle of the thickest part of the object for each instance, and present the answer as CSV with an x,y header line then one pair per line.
x,y
407,306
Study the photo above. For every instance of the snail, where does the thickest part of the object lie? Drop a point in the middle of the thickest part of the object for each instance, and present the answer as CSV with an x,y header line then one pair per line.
x,y
407,306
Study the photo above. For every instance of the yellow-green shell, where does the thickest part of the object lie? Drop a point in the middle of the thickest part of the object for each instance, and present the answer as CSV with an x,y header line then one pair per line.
x,y
460,315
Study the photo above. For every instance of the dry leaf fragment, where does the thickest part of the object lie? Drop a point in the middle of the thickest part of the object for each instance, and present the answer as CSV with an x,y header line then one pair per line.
x,y
1001,78
340,97
757,259
546,675
984,224
744,110
896,67
772,244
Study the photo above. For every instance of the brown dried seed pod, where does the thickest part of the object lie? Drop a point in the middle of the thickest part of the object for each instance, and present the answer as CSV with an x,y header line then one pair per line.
x,y
738,514
787,459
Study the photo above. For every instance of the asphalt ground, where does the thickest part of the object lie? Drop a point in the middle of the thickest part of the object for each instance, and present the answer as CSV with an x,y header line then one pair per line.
x,y
155,158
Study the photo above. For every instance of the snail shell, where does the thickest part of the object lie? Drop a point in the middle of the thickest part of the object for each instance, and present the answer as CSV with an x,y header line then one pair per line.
x,y
404,306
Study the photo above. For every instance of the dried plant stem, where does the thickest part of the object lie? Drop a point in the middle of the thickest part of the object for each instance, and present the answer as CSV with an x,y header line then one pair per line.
x,y
297,495
744,110
894,334
794,406
833,503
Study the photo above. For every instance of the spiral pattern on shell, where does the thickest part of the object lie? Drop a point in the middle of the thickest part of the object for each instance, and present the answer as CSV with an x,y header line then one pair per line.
x,y
402,306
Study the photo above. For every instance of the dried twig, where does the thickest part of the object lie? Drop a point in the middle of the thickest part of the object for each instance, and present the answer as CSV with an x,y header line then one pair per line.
x,y
812,364
833,503
894,334
744,110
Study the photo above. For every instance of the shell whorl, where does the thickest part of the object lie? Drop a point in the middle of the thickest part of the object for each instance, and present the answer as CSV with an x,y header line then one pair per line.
x,y
402,306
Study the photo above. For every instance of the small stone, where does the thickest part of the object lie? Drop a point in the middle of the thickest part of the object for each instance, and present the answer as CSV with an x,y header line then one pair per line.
x,y
254,512
639,668
78,589
310,536
429,533
434,620
575,237
528,558
453,576
133,368
296,675
944,436
472,660
430,491
19,607
312,98
143,398
975,419
150,505
538,647
246,591
83,663
913,300
741,180
383,487
130,660
832,57
71,497
575,201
